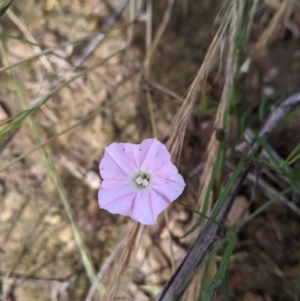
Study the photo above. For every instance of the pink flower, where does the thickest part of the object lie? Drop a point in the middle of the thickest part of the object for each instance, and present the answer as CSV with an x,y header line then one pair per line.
x,y
139,180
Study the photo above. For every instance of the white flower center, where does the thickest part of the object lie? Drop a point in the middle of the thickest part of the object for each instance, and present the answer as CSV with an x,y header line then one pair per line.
x,y
142,182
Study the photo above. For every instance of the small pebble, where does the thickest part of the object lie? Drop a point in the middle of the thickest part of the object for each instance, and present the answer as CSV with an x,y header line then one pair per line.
x,y
268,91
93,180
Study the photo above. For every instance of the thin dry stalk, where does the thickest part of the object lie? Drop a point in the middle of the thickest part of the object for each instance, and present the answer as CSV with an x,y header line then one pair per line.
x,y
269,32
170,241
122,263
159,33
178,126
95,42
214,144
149,26
131,17
165,90
30,38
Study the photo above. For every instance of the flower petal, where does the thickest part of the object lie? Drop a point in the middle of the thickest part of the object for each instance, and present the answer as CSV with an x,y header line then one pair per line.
x,y
170,172
168,182
142,210
118,161
117,196
159,202
151,154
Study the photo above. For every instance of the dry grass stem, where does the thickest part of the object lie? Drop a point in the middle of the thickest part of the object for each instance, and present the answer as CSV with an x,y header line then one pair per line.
x,y
214,144
165,90
121,264
269,32
166,215
131,17
159,33
178,126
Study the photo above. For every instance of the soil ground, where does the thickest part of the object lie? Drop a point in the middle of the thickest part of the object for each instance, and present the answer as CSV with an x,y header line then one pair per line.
x,y
39,259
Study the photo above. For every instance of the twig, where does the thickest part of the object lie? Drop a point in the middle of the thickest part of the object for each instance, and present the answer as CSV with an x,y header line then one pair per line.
x,y
163,89
95,42
210,232
267,190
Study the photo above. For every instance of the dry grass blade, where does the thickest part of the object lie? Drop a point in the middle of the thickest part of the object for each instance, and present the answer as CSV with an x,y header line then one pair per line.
x,y
178,126
214,143
122,262
165,90
267,35
158,36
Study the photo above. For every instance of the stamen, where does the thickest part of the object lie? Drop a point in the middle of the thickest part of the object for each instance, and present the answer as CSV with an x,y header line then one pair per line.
x,y
145,183
142,181
139,180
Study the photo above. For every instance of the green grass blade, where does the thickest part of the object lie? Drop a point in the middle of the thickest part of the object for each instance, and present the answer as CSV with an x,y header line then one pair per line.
x,y
281,167
226,191
226,290
262,208
209,190
4,6
222,268
10,37
151,113
293,156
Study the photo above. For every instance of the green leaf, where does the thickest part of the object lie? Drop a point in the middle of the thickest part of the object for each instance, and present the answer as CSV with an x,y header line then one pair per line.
x,y
4,5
